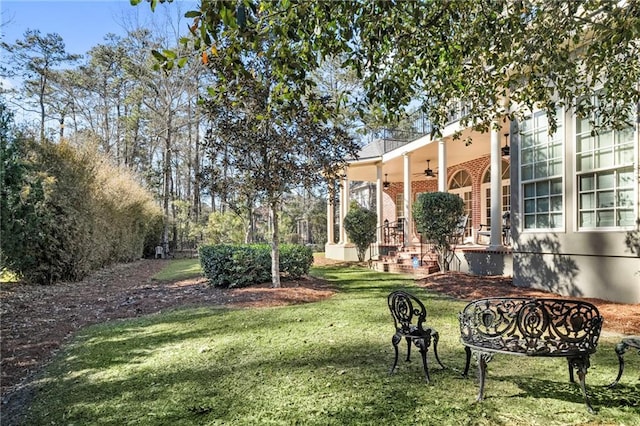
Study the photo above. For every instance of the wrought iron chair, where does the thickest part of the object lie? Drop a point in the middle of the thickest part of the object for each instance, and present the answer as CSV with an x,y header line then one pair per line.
x,y
409,316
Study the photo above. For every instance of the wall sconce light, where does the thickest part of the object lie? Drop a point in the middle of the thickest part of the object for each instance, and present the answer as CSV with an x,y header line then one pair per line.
x,y
386,184
506,150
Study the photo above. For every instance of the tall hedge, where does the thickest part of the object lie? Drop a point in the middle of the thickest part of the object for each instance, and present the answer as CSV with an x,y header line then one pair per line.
x,y
66,212
242,265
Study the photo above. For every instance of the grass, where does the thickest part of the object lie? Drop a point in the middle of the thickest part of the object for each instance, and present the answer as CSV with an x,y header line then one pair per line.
x,y
323,363
180,269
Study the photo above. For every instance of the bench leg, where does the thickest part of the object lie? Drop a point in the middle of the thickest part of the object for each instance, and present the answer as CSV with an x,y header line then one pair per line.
x,y
581,364
436,338
395,340
483,359
621,348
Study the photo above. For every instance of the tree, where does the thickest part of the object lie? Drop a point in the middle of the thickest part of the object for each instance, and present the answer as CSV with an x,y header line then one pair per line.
x,y
500,57
360,224
34,58
436,215
271,144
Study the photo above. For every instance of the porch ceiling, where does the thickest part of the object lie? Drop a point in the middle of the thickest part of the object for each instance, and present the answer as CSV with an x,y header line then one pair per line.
x,y
421,150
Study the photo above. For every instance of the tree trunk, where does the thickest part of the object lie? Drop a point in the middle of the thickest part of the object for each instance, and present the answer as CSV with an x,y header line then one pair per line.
x,y
275,248
167,186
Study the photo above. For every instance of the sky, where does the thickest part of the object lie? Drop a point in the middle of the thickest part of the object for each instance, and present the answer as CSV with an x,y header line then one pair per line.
x,y
82,23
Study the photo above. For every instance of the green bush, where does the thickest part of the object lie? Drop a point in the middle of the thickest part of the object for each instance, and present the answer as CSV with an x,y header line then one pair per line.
x,y
229,266
360,225
436,215
66,212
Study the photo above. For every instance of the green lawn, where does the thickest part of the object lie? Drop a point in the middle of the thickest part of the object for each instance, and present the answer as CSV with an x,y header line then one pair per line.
x,y
324,363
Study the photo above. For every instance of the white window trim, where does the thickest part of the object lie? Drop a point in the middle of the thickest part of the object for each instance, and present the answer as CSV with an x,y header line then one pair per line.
x,y
576,198
561,229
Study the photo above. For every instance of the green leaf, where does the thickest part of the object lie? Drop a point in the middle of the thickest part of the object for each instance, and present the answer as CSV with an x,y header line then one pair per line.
x,y
159,56
191,13
169,54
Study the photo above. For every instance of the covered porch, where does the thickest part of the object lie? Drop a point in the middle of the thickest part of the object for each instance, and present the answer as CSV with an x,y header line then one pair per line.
x,y
397,171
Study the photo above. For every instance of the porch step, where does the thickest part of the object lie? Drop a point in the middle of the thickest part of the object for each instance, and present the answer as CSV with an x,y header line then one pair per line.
x,y
405,266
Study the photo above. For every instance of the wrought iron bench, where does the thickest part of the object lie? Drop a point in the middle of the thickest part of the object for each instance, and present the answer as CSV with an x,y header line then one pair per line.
x,y
409,316
531,327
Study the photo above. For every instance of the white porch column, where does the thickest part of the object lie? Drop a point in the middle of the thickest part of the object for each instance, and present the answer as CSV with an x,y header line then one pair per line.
x,y
407,199
331,214
379,210
496,188
442,166
344,205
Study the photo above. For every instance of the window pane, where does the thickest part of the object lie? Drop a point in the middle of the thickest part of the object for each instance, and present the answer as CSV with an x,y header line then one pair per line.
x,y
542,205
605,180
556,186
527,172
625,198
542,188
587,183
604,159
582,124
541,119
529,206
543,221
625,178
605,139
587,220
530,190
585,162
527,156
605,218
626,218
624,155
556,204
556,220
527,141
605,199
529,221
585,143
587,201
541,170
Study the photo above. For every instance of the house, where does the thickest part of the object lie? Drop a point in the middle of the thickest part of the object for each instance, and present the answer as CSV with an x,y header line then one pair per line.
x,y
573,199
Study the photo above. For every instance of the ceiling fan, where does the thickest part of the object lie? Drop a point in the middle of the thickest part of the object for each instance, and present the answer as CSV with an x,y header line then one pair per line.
x,y
428,172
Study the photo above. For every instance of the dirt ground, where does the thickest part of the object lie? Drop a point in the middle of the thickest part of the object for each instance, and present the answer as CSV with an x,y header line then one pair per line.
x,y
37,320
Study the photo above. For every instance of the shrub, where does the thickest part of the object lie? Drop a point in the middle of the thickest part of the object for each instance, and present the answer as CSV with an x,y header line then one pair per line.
x,y
360,224
229,266
436,215
66,212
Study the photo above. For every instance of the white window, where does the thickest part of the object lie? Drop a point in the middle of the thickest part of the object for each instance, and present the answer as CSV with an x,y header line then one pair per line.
x,y
486,193
541,169
399,205
605,165
461,185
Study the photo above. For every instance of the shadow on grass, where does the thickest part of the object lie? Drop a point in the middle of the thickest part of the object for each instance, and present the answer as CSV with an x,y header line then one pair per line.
x,y
600,396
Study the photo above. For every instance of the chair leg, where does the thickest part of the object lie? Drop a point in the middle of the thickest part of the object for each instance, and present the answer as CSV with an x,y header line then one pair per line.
x,y
395,340
468,361
422,346
408,339
436,337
